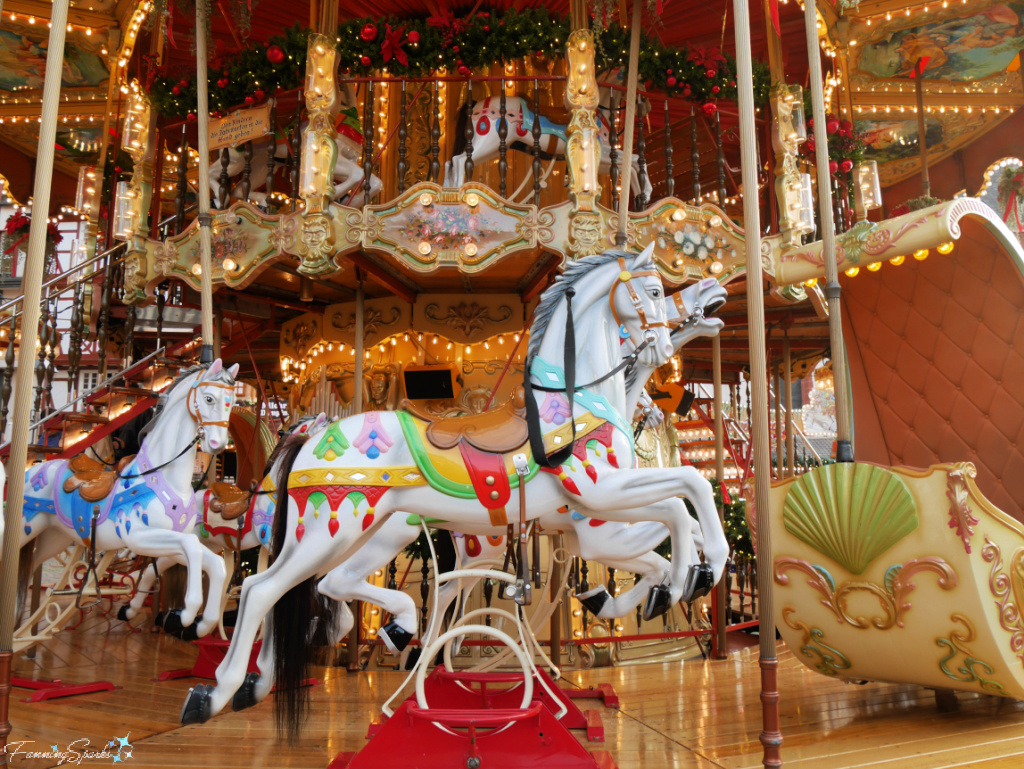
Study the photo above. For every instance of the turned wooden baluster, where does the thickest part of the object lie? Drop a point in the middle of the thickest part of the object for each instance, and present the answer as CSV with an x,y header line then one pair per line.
x,y
470,129
641,162
729,611
368,141
224,180
535,131
640,607
103,321
435,138
837,206
392,572
424,588
296,147
584,586
271,159
613,586
51,358
694,157
502,143
44,340
246,186
753,587
403,133
613,154
181,191
5,383
75,343
720,160
129,335
670,182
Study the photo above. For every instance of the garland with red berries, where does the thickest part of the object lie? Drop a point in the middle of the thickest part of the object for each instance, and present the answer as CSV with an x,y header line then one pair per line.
x,y
461,45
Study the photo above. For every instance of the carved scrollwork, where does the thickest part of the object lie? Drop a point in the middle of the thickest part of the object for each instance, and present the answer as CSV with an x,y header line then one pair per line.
x,y
961,518
488,366
830,659
1008,590
467,317
374,320
971,668
298,336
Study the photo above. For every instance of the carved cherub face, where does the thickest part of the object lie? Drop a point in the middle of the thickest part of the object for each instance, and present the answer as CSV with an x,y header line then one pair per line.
x,y
315,233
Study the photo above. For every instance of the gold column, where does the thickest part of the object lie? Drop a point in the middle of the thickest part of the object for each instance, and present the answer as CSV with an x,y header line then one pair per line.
x,y
583,151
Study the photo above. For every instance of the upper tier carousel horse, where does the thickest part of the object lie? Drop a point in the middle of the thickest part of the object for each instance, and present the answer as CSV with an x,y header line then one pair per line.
x,y
519,117
348,164
147,505
232,519
622,546
463,471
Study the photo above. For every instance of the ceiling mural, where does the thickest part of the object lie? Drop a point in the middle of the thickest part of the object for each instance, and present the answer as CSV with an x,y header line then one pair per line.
x,y
23,59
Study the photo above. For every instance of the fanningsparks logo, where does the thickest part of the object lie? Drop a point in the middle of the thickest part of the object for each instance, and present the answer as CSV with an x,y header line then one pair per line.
x,y
117,751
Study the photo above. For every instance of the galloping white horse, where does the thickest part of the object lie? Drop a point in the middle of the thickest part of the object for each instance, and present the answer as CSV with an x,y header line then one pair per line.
x,y
147,506
383,459
519,117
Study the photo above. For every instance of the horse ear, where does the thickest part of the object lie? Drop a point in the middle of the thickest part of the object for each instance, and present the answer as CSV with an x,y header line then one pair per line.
x,y
233,371
215,368
647,255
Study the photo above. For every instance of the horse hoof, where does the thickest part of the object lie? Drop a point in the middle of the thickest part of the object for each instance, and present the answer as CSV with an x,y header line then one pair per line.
x,y
394,637
594,600
171,622
245,697
700,579
122,613
196,709
659,601
190,633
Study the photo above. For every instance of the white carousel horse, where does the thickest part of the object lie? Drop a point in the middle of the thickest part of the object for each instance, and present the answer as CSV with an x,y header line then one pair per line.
x,y
348,167
328,482
622,546
519,117
221,535
148,505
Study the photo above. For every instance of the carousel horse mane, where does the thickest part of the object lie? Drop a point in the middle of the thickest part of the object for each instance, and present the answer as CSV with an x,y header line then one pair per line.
x,y
552,296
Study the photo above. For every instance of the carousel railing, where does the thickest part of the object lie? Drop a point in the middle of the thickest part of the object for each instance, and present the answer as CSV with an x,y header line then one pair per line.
x,y
414,141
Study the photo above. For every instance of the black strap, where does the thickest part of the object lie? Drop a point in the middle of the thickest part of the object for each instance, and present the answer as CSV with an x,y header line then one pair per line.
x,y
533,412
640,427
152,470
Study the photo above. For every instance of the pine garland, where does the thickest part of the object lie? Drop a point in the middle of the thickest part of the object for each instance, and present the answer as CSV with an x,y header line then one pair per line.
x,y
411,47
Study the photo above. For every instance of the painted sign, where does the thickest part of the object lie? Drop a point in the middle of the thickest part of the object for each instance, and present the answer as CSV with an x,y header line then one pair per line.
x,y
240,127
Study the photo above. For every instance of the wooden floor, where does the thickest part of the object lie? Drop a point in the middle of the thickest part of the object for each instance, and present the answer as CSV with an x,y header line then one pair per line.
x,y
692,714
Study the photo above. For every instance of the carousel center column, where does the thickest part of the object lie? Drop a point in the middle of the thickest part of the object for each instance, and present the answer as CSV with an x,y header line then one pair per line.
x,y
583,150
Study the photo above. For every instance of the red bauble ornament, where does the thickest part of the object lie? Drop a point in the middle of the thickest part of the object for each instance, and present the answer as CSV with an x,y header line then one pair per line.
x,y
832,126
810,145
222,83
686,90
455,49
365,61
833,166
668,72
671,82
486,28
176,90
846,125
464,71
732,83
414,37
710,108
711,72
846,165
715,89
191,117
249,101
259,94
275,54
369,32
183,82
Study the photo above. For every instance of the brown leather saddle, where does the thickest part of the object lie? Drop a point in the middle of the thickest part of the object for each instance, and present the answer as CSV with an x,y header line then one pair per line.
x,y
93,481
229,501
497,431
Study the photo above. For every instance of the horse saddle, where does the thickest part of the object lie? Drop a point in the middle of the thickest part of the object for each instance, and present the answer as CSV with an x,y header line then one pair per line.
x,y
229,501
497,431
91,479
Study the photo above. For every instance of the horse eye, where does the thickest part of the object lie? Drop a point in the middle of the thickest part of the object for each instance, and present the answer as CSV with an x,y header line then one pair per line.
x,y
209,399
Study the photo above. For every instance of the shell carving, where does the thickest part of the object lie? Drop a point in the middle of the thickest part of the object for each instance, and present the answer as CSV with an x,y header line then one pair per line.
x,y
850,512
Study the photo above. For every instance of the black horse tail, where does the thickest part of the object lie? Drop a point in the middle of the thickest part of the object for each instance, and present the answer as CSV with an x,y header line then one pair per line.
x,y
460,129
25,558
291,617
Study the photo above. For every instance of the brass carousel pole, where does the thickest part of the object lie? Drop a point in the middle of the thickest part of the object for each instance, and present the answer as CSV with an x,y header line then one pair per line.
x,y
627,138
205,220
771,737
25,370
844,446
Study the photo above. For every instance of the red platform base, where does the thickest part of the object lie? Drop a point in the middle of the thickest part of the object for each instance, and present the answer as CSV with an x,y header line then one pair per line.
x,y
51,690
454,691
211,654
603,692
412,739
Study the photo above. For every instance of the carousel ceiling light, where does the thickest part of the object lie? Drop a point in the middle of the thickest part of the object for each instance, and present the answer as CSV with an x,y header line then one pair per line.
x,y
875,266
471,249
921,254
852,272
896,261
424,247
945,248
426,200
472,200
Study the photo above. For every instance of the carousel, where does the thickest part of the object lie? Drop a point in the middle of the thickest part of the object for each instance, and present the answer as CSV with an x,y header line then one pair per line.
x,y
512,384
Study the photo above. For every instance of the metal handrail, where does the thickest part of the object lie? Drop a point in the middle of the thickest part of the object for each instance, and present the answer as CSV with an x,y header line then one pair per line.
x,y
796,427
105,383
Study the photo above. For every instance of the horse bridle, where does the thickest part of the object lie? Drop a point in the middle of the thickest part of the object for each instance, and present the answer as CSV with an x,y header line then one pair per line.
x,y
625,279
193,400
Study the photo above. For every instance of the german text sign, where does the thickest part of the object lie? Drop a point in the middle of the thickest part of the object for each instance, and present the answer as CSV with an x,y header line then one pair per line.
x,y
240,127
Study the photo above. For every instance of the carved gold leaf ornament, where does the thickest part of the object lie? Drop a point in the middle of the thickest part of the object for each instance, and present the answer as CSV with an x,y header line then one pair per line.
x,y
968,669
892,597
960,515
466,317
850,512
1008,591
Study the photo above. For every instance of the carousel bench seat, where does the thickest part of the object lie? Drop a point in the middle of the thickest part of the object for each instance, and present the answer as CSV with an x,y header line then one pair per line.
x,y
497,431
93,481
229,501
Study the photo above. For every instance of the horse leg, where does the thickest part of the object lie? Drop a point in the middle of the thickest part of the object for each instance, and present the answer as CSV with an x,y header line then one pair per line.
x,y
145,586
216,574
184,547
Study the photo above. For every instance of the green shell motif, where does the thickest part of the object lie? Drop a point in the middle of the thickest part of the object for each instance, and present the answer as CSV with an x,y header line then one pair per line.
x,y
850,512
